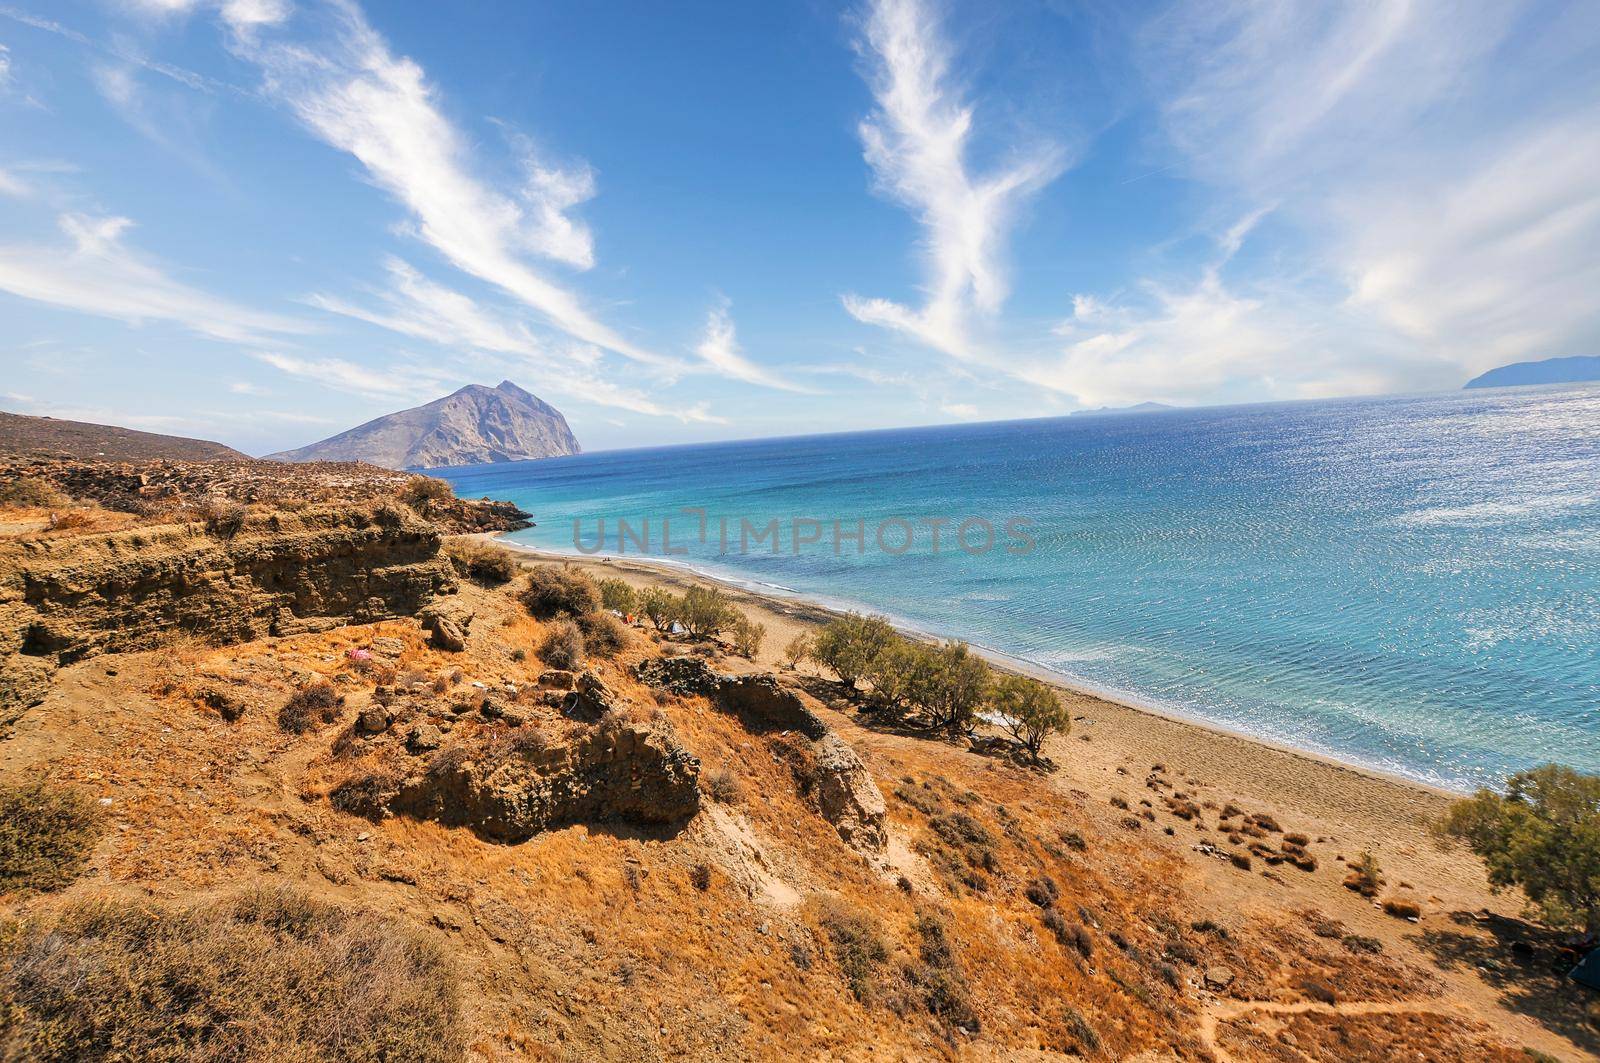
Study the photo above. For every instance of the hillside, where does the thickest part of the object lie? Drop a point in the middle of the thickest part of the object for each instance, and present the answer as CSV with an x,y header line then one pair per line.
x,y
473,426
290,820
1548,371
21,435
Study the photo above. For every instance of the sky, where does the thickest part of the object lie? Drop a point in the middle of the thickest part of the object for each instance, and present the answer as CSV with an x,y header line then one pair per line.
x,y
265,221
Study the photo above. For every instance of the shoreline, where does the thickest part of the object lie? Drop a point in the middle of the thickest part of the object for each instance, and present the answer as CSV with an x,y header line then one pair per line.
x,y
808,610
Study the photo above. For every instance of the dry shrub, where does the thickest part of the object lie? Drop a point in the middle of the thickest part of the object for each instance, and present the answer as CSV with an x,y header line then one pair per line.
x,y
1365,876
747,637
223,517
366,796
722,786
420,492
856,941
267,976
32,492
475,560
1402,908
313,704
939,977
700,876
603,634
562,645
46,835
556,589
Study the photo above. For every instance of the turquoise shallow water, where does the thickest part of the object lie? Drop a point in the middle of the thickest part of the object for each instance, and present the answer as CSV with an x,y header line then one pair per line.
x,y
1410,584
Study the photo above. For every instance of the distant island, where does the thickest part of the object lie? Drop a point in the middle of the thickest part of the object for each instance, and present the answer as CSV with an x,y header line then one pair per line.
x,y
473,426
1143,407
1550,371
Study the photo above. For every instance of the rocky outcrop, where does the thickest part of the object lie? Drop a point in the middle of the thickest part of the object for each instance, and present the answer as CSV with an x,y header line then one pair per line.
x,y
845,792
625,772
472,426
847,796
63,599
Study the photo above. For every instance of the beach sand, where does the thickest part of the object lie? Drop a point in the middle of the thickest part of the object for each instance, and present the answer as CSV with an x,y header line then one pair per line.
x,y
1345,809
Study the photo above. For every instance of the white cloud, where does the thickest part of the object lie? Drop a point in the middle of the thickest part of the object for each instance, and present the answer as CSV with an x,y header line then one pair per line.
x,y
12,185
917,142
98,274
964,410
719,349
390,381
1432,173
418,307
353,93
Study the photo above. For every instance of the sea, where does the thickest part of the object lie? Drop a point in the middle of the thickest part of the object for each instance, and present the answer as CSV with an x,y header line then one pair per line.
x,y
1408,584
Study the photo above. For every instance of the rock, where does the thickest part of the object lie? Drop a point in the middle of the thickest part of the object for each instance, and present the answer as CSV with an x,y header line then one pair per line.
x,y
591,700
763,704
632,772
557,679
424,737
227,706
387,646
847,796
374,719
1218,977
447,635
685,676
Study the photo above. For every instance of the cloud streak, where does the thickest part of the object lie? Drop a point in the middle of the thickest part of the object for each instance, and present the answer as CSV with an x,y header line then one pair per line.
x,y
719,349
97,273
917,141
350,91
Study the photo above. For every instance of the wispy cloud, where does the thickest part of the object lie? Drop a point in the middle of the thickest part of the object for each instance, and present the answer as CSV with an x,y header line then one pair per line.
x,y
719,349
1429,169
97,273
917,142
352,92
389,382
418,307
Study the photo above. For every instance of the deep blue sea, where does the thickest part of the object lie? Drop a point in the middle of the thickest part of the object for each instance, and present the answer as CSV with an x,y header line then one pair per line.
x,y
1411,584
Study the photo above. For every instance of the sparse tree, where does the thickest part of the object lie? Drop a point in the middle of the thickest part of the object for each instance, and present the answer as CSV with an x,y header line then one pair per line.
x,y
951,687
706,612
660,607
798,649
747,637
1029,710
893,675
617,595
848,644
1542,834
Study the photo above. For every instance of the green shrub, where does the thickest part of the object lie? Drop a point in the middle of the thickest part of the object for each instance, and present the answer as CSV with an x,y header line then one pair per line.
x,y
555,589
31,491
660,607
270,976
46,835
1542,834
747,637
705,612
603,634
616,594
562,645
313,704
848,645
1029,710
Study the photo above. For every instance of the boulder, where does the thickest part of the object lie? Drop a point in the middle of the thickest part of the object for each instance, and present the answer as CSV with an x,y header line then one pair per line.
x,y
448,623
557,679
1219,977
847,796
634,773
424,737
374,719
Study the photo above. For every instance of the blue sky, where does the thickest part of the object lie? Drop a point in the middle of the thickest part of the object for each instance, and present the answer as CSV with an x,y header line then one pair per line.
x,y
263,221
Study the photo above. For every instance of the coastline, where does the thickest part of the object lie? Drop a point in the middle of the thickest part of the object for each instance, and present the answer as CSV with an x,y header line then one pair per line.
x,y
807,611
